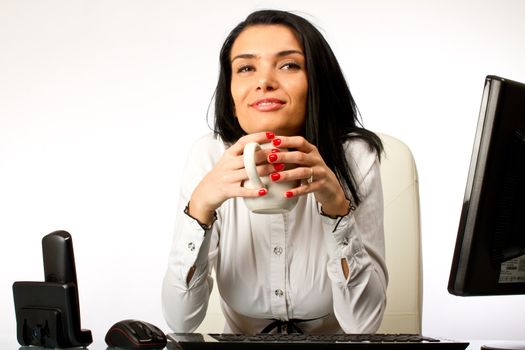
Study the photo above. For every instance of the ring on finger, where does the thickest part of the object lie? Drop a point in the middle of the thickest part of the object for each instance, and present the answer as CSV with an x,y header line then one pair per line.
x,y
311,178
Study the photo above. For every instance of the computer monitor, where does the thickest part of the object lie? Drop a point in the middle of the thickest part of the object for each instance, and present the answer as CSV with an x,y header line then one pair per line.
x,y
489,256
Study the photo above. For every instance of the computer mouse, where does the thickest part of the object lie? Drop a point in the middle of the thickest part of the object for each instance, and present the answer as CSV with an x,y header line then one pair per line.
x,y
135,334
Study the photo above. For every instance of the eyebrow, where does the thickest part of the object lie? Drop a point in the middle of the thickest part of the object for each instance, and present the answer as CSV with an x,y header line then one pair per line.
x,y
278,54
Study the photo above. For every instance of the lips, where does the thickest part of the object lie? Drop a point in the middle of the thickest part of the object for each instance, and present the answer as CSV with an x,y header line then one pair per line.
x,y
268,104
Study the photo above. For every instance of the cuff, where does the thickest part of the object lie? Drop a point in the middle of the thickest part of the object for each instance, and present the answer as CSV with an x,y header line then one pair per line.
x,y
203,226
194,242
336,220
341,240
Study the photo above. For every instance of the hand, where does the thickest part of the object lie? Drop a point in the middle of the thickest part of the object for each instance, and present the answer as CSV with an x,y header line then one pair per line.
x,y
225,179
316,177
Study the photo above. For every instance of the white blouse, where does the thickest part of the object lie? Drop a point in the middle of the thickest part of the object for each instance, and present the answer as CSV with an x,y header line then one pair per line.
x,y
280,266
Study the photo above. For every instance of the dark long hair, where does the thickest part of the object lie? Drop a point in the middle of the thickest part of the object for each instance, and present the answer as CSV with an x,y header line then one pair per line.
x,y
331,114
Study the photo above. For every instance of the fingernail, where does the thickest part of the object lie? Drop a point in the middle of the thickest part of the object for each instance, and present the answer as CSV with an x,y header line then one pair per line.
x,y
289,194
270,135
276,142
262,191
272,157
275,150
278,166
275,176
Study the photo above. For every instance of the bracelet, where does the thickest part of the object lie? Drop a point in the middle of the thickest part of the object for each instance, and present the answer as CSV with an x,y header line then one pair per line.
x,y
351,209
204,227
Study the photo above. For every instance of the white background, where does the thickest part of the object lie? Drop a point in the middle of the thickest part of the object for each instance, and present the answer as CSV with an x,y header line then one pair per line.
x,y
99,100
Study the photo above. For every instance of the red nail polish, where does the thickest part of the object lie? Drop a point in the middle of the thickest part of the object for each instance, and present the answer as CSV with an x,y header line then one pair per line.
x,y
272,157
278,166
270,135
262,191
275,176
275,150
276,142
289,194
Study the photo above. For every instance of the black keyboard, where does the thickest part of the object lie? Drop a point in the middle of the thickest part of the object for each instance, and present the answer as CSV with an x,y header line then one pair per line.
x,y
197,341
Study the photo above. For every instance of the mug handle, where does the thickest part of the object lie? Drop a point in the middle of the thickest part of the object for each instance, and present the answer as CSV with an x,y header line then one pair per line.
x,y
249,163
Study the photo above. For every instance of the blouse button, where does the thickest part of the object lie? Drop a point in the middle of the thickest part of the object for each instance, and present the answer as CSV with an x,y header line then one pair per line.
x,y
277,250
279,292
191,246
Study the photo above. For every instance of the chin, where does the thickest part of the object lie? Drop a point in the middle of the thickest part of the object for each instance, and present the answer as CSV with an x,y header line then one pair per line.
x,y
277,129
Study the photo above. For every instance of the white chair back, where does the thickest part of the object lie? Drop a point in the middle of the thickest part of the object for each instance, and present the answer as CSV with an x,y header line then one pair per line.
x,y
402,238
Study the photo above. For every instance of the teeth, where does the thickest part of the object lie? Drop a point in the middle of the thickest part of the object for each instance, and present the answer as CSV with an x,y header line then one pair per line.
x,y
266,103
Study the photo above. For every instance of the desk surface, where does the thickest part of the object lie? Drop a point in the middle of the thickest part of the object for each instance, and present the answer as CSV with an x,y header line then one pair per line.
x,y
12,344
7,343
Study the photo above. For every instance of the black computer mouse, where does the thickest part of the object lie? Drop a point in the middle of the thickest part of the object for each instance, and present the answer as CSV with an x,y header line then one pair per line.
x,y
135,334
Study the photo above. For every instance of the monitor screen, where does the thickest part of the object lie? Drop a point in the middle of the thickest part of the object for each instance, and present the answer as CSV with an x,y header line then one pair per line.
x,y
489,256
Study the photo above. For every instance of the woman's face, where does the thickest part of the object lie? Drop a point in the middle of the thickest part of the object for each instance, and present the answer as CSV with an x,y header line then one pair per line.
x,y
269,85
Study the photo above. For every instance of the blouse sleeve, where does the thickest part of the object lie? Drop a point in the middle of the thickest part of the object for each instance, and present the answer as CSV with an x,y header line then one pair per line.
x,y
184,303
359,300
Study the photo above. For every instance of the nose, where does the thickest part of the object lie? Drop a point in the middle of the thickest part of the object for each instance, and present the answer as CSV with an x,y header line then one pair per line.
x,y
266,80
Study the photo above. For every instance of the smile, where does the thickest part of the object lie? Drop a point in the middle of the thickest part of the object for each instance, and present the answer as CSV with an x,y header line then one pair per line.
x,y
268,104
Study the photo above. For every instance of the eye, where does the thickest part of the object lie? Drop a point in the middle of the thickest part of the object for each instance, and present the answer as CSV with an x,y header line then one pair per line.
x,y
245,68
291,66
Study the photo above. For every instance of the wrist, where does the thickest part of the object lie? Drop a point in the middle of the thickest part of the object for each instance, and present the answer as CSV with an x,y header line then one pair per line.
x,y
337,209
205,217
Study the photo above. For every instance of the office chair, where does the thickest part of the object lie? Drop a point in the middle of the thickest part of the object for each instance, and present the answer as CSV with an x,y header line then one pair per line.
x,y
402,229
402,238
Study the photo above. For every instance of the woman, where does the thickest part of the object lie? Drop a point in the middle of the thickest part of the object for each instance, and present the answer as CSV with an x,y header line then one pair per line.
x,y
319,268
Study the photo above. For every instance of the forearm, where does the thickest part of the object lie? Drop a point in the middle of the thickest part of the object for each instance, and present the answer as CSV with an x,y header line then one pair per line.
x,y
359,305
337,207
198,209
187,284
184,308
358,278
357,268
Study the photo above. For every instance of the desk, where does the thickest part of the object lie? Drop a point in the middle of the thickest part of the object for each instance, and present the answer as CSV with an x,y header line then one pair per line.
x,y
10,343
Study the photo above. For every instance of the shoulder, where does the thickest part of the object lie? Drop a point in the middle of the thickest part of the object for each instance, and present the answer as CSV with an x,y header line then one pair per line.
x,y
207,147
202,156
360,156
360,152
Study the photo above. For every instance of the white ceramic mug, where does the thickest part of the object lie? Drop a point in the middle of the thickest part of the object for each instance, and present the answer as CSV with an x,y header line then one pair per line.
x,y
274,201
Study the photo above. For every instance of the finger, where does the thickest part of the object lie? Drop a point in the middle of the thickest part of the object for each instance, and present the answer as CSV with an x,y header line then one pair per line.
x,y
261,155
298,158
304,174
265,169
236,161
310,178
237,176
295,142
303,189
249,192
259,137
